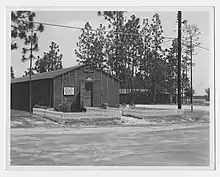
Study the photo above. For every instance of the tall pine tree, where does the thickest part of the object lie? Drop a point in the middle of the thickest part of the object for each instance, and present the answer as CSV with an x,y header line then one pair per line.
x,y
132,51
156,68
172,68
20,25
51,60
91,46
115,51
30,38
189,32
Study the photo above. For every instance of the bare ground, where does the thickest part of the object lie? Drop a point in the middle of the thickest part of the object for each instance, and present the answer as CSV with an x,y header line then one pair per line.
x,y
135,146
164,141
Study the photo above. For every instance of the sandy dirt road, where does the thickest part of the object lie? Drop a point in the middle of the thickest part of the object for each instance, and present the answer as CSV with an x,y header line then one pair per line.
x,y
178,145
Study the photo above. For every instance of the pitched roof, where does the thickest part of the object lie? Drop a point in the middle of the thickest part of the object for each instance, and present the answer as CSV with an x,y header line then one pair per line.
x,y
45,75
51,74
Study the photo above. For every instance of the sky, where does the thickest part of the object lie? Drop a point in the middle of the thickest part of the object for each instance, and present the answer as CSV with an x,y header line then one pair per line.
x,y
67,38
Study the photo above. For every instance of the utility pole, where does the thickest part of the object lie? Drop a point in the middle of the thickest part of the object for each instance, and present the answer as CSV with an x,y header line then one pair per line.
x,y
179,59
186,80
191,95
30,72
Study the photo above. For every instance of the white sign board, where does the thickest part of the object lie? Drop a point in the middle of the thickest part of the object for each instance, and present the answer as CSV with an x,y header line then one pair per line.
x,y
68,91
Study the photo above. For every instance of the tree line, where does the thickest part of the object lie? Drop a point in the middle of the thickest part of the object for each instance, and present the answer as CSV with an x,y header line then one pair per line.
x,y
131,50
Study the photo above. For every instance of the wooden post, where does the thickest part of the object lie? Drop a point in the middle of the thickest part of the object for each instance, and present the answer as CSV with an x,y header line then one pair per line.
x,y
186,81
69,80
107,86
54,95
101,89
114,88
179,59
93,87
191,95
41,87
75,72
62,79
30,73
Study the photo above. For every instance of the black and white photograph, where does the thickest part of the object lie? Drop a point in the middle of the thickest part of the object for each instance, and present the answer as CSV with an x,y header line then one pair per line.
x,y
106,87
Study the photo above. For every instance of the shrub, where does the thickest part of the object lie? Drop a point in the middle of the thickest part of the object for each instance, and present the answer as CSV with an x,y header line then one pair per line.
x,y
104,105
64,107
124,105
132,105
83,109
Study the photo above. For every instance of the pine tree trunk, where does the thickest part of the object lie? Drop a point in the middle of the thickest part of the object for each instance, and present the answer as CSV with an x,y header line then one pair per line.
x,y
155,91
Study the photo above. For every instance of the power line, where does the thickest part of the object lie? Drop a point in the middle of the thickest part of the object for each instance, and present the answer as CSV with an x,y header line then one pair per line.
x,y
57,25
80,28
202,47
185,43
198,45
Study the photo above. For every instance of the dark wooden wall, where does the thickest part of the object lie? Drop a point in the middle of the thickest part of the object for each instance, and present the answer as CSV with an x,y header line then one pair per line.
x,y
42,94
111,90
105,87
144,98
49,92
20,96
68,79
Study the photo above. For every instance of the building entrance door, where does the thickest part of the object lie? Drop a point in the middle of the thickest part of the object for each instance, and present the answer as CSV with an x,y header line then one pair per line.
x,y
86,94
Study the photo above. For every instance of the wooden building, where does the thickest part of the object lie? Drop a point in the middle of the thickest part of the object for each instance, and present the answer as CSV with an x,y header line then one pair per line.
x,y
142,96
79,85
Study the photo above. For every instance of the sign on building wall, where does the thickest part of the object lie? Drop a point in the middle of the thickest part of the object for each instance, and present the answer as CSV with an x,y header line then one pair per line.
x,y
68,91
